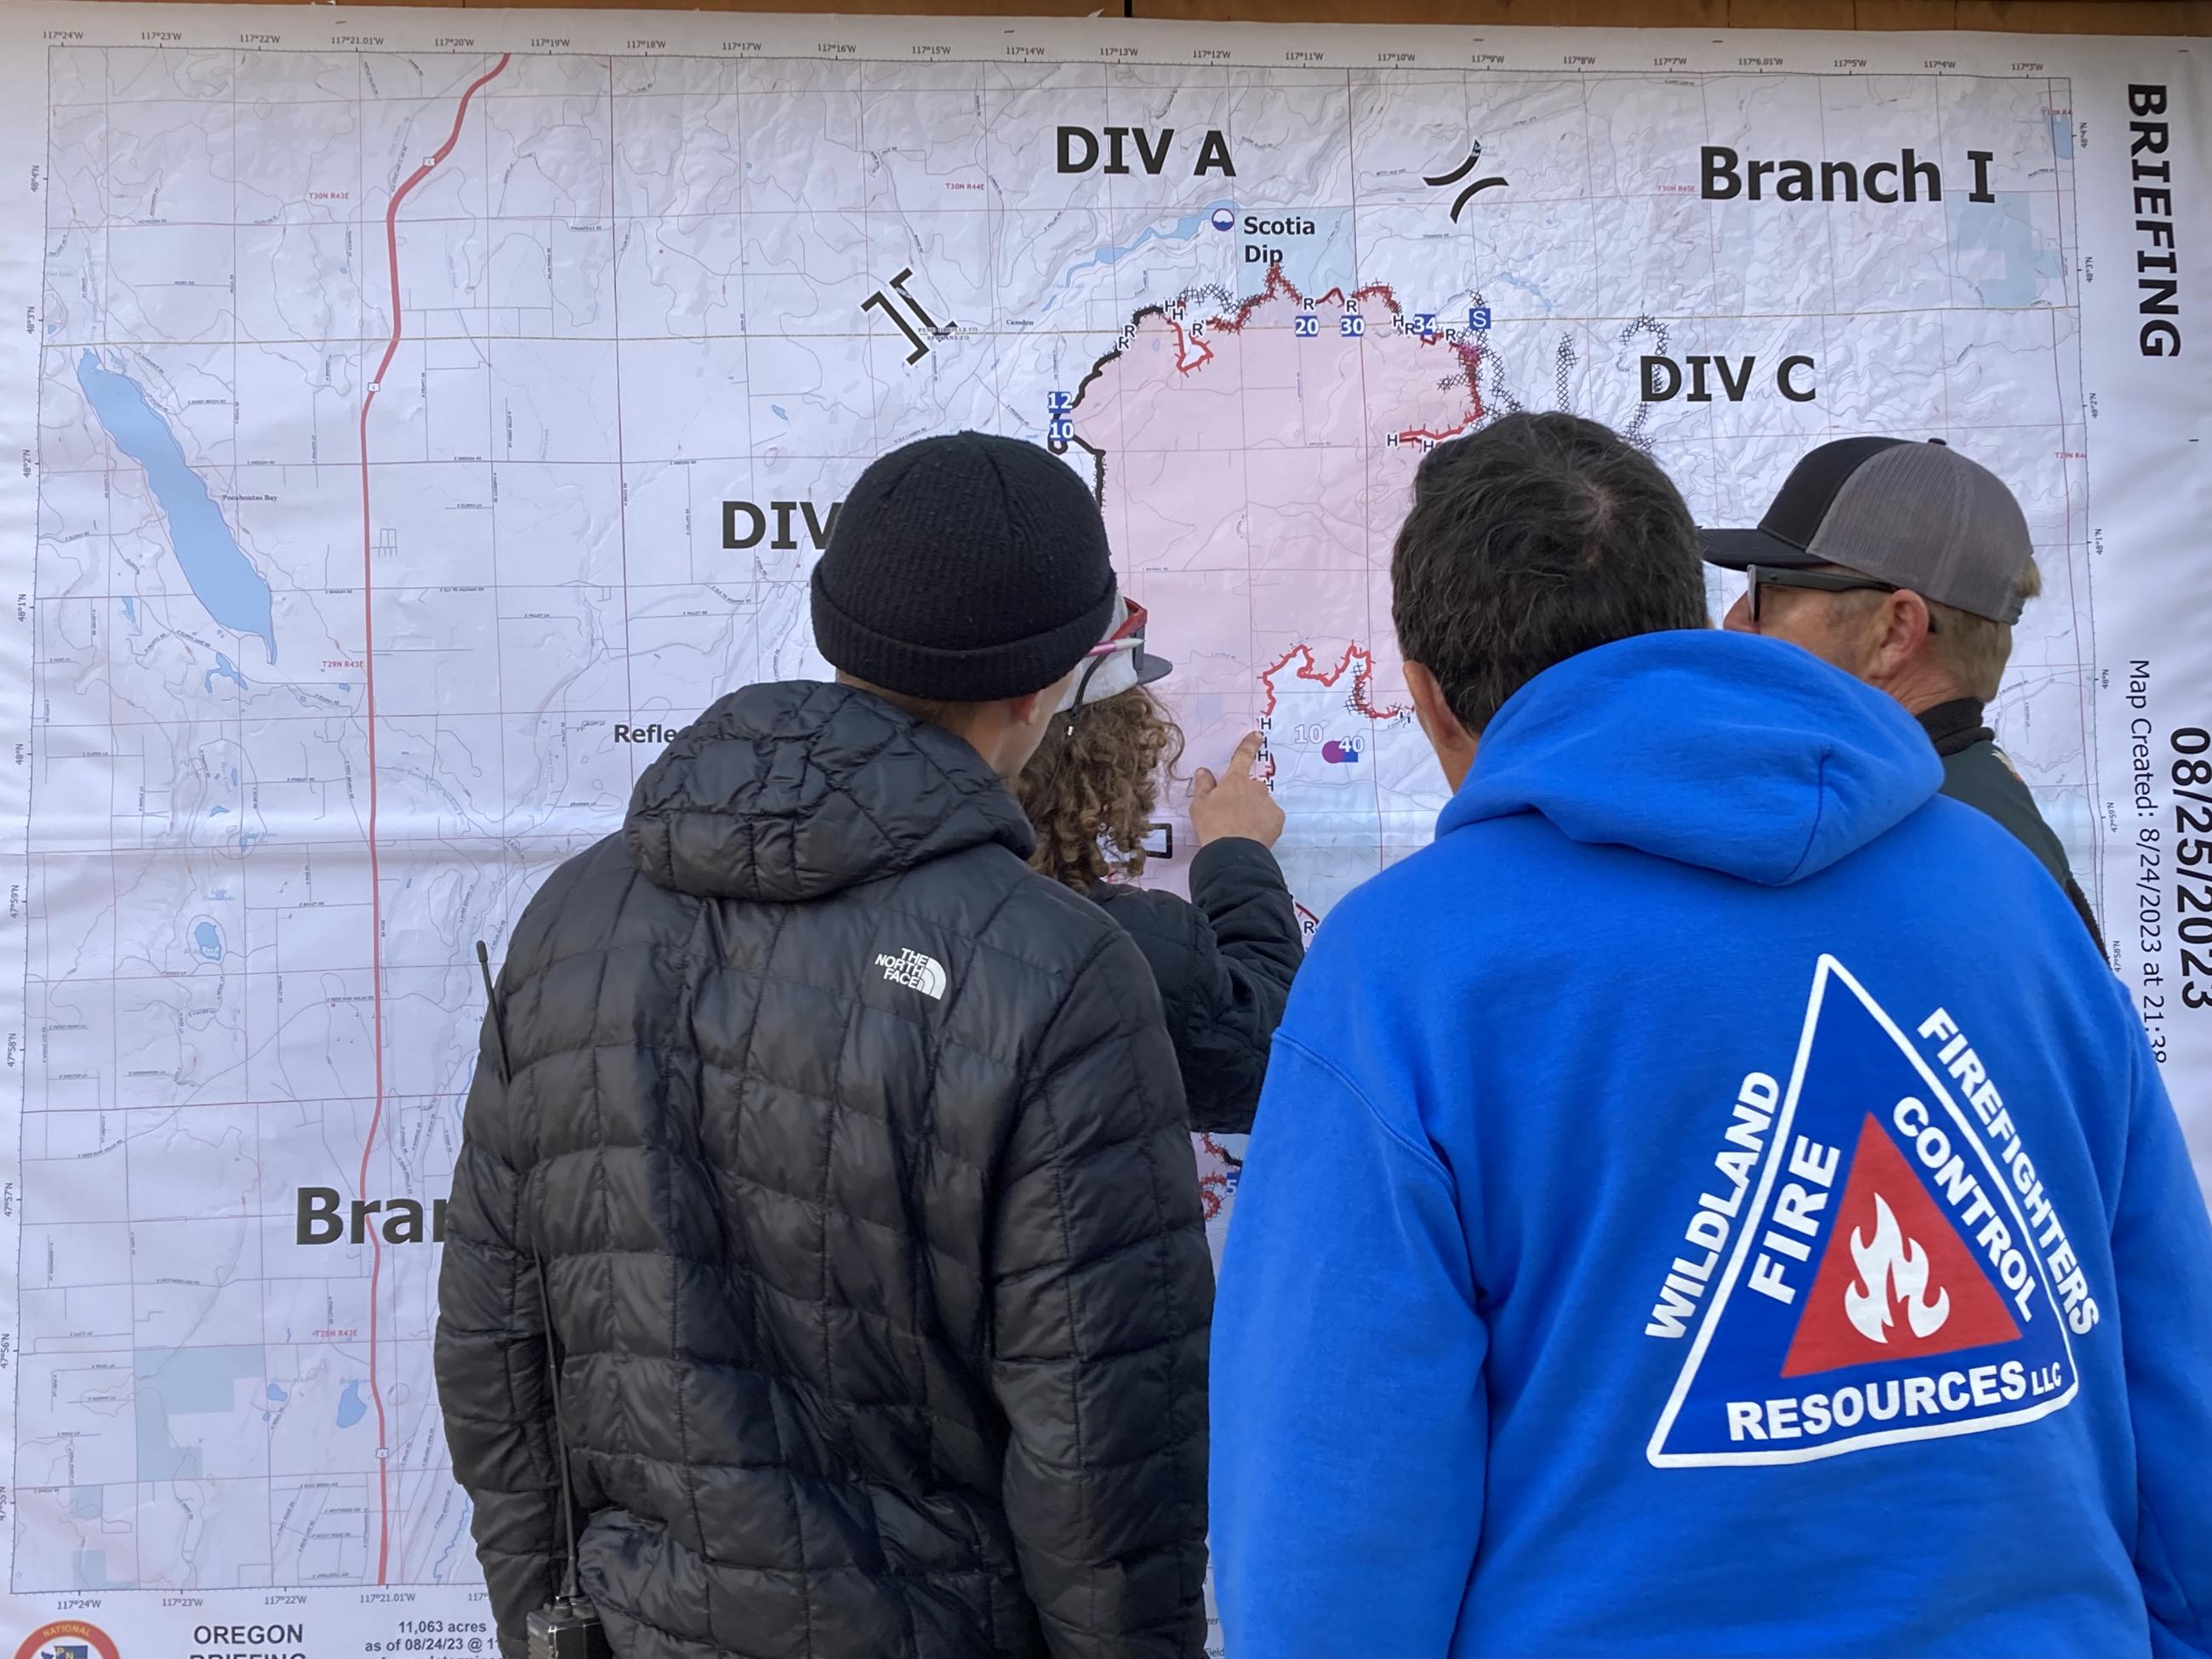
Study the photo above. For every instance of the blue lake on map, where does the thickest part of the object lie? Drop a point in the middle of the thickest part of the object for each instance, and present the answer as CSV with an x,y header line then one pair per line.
x,y
1182,230
2022,265
222,578
351,1408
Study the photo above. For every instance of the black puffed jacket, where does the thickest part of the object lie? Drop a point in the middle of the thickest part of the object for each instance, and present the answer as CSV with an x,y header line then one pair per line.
x,y
855,1157
1225,960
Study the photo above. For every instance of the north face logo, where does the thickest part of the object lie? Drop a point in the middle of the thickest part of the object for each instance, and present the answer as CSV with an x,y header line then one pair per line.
x,y
915,971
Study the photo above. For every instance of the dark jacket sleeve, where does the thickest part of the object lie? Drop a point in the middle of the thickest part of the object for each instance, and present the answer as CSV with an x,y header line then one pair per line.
x,y
491,1360
2081,902
1225,963
1980,776
1102,1294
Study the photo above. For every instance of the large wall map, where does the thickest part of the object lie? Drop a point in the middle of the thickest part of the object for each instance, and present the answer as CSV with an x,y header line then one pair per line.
x,y
416,419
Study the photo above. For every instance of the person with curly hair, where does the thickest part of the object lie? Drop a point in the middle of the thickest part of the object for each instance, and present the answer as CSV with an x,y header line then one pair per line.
x,y
1224,957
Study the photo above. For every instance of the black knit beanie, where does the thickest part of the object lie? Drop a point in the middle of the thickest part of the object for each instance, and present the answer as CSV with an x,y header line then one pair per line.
x,y
964,569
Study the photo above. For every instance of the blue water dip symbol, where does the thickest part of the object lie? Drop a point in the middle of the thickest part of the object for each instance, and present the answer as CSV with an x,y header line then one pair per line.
x,y
223,579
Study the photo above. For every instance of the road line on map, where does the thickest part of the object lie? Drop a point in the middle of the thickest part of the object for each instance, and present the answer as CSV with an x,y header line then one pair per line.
x,y
375,883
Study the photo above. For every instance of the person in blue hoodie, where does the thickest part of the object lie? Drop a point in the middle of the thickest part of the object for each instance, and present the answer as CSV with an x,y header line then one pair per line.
x,y
1714,1199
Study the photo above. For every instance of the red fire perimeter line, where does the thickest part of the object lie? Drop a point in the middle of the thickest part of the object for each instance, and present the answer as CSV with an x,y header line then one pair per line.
x,y
375,886
1278,286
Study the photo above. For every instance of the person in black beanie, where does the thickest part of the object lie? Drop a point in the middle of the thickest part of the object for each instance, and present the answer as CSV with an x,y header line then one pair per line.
x,y
835,1162
966,569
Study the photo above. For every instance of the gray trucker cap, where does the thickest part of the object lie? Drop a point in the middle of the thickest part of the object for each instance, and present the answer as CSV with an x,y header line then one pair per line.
x,y
1920,516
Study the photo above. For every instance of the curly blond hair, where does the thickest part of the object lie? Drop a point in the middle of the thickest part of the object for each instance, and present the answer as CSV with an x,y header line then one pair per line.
x,y
1093,784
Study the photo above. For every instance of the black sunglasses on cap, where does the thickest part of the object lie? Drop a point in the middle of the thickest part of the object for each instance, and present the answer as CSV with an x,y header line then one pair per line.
x,y
1822,581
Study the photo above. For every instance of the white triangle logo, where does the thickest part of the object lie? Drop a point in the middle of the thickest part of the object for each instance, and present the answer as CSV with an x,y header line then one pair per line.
x,y
1946,1319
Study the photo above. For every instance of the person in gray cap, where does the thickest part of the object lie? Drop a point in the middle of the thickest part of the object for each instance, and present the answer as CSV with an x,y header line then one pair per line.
x,y
828,1164
1905,565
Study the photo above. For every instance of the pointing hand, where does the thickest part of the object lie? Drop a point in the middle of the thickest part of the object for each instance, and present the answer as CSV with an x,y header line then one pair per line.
x,y
1236,803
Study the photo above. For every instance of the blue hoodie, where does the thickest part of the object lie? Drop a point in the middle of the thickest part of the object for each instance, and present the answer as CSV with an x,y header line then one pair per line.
x,y
1712,1201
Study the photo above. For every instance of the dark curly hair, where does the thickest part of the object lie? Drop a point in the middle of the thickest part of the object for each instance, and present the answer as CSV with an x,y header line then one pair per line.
x,y
1090,789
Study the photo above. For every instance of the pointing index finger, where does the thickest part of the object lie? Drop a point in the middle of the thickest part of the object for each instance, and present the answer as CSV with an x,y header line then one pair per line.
x,y
1247,753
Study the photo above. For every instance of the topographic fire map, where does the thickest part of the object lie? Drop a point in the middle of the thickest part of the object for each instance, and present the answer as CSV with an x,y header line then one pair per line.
x,y
410,419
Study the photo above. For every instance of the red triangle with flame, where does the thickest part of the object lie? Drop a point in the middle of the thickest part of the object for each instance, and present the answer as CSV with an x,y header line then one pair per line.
x,y
1896,1280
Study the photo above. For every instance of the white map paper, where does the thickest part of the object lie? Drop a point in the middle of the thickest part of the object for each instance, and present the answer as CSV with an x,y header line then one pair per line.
x,y
416,416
